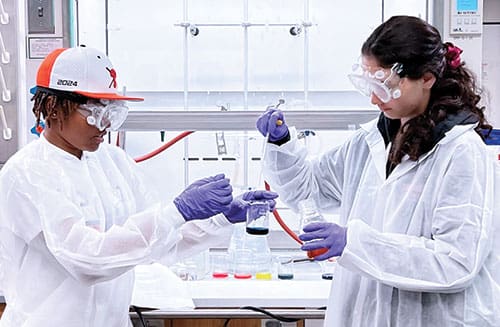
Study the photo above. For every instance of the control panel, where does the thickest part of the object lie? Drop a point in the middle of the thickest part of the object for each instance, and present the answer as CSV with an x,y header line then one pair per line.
x,y
466,17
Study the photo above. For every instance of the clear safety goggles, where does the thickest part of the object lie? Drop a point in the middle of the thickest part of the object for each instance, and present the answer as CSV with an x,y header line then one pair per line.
x,y
384,83
104,114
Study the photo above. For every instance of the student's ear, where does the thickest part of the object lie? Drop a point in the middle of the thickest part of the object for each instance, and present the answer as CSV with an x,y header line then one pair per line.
x,y
428,80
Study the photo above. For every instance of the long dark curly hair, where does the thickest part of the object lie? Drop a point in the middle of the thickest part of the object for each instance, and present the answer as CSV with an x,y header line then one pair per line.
x,y
418,46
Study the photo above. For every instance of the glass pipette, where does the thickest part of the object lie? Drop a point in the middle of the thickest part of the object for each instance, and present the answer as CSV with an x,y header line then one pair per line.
x,y
279,122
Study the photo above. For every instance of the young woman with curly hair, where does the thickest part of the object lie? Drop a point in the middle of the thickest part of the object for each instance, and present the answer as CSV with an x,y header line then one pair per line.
x,y
417,236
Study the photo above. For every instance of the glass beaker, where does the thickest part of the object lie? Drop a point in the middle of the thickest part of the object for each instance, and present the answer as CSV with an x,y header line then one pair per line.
x,y
219,265
263,266
257,222
285,266
243,264
328,268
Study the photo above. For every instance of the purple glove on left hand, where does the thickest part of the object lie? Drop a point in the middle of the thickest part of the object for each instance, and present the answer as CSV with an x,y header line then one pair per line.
x,y
324,235
237,211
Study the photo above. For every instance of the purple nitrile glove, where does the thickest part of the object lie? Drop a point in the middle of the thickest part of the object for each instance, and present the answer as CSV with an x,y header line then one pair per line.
x,y
237,211
204,180
324,235
204,198
272,123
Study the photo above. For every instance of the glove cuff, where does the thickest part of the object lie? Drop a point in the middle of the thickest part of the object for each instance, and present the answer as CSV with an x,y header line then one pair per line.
x,y
282,140
182,208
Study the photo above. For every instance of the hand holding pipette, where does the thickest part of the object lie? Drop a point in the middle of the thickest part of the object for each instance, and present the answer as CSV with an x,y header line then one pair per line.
x,y
271,123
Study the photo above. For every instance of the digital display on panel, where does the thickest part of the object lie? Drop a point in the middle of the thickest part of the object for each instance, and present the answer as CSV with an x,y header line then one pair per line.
x,y
467,5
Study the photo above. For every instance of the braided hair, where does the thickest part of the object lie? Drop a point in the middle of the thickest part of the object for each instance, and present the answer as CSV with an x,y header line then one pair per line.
x,y
417,45
48,102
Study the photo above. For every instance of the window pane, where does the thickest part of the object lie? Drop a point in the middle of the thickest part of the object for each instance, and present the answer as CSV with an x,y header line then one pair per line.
x,y
145,46
276,11
216,59
220,11
409,7
339,29
276,60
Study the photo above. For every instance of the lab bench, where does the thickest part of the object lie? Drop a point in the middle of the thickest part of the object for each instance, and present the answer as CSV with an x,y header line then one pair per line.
x,y
216,301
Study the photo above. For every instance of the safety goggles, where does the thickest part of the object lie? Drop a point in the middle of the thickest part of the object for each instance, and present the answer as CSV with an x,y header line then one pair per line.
x,y
104,114
384,83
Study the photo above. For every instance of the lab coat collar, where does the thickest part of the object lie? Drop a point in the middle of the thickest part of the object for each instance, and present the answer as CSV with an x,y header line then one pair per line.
x,y
54,150
458,119
378,151
406,164
389,127
377,146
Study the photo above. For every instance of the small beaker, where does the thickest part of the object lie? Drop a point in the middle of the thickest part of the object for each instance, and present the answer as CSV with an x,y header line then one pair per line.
x,y
219,265
285,266
257,222
243,264
263,266
328,268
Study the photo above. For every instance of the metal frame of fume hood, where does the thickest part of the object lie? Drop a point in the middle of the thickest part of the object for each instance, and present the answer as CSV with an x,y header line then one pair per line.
x,y
243,120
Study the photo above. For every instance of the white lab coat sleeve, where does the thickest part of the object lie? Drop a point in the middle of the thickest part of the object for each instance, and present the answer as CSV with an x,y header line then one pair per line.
x,y
462,234
90,255
295,176
94,256
197,236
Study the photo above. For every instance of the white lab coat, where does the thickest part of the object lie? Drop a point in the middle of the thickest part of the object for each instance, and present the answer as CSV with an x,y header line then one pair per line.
x,y
72,230
422,245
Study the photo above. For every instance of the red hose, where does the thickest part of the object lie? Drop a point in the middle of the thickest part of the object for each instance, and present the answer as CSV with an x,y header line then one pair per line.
x,y
281,222
163,147
311,253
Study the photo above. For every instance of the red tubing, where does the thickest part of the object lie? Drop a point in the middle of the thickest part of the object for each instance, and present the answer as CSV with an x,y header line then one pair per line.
x,y
163,147
281,222
311,253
